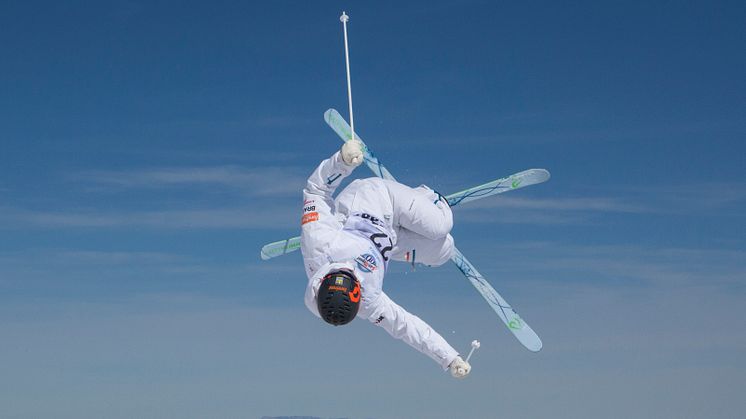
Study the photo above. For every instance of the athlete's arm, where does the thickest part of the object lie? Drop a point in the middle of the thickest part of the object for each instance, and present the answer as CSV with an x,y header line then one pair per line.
x,y
411,329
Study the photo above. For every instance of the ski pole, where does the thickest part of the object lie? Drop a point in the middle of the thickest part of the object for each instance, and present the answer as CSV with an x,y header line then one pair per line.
x,y
474,345
344,18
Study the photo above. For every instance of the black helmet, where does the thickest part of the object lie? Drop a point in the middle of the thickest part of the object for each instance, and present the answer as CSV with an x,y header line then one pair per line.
x,y
339,297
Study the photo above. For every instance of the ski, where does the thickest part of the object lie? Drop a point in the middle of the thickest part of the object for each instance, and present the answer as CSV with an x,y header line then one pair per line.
x,y
520,329
515,181
343,130
280,248
519,180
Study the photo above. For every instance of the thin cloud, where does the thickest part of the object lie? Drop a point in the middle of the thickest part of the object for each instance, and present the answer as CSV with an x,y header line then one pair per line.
x,y
602,204
254,193
623,263
110,265
695,197
545,211
268,217
97,257
266,181
520,217
665,200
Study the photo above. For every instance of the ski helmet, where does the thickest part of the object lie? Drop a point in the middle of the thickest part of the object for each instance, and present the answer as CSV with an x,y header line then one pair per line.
x,y
338,299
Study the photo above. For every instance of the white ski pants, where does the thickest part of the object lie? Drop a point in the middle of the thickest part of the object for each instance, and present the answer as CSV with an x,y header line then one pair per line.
x,y
421,221
425,222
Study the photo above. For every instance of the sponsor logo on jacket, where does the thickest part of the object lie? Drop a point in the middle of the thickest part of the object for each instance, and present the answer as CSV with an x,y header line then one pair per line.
x,y
309,212
332,178
309,217
370,218
309,205
366,262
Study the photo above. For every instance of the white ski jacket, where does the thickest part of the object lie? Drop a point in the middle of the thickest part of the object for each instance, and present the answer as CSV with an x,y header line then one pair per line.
x,y
357,232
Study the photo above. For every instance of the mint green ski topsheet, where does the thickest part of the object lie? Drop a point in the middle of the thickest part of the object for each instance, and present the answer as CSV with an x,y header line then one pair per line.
x,y
519,180
279,248
340,126
520,329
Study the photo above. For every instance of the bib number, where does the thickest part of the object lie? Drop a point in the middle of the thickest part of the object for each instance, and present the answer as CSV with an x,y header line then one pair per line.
x,y
383,243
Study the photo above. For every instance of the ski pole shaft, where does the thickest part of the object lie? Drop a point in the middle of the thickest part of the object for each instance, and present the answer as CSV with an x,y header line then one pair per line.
x,y
344,18
474,346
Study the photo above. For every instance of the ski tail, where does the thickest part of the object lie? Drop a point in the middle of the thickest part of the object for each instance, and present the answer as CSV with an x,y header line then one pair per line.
x,y
520,329
280,248
516,181
343,130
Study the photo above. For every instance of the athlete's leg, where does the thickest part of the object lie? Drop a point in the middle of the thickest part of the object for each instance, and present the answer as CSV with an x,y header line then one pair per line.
x,y
414,248
420,210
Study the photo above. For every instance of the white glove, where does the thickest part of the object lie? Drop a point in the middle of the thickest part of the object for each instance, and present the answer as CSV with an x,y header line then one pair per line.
x,y
352,152
459,368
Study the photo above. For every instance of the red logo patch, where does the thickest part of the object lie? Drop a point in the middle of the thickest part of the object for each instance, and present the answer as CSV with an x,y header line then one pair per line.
x,y
310,217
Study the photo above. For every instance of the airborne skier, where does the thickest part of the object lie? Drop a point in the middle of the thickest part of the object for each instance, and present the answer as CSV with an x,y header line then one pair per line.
x,y
347,243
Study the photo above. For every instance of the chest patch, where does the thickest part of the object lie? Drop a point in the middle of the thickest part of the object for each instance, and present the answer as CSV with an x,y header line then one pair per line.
x,y
366,262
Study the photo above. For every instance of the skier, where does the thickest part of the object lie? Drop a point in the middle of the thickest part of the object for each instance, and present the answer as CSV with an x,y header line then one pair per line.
x,y
347,243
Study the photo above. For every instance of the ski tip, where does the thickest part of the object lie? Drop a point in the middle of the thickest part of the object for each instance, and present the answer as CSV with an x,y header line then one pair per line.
x,y
536,347
536,175
528,338
531,341
545,173
328,113
267,251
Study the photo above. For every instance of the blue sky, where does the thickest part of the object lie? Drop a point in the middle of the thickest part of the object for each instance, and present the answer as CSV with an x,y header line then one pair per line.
x,y
149,149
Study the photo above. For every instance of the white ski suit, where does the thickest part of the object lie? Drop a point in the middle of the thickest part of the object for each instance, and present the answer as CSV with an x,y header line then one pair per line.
x,y
372,221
